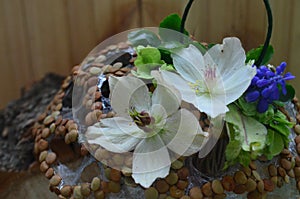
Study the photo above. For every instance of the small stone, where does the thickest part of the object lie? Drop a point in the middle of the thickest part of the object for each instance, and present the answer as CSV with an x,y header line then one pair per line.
x,y
297,172
45,132
44,166
228,183
52,127
55,114
220,196
196,193
49,173
297,159
279,181
100,58
92,81
99,194
48,120
185,197
285,152
286,179
162,186
61,130
250,185
298,148
252,165
298,185
114,187
183,173
95,70
104,186
151,193
240,189
272,170
172,178
118,159
217,187
115,175
66,191
77,192
175,192
207,189
55,180
281,171
73,126
85,189
95,184
254,195
43,156
107,172
101,154
177,164
42,145
256,175
260,186
73,135
274,179
58,107
51,157
240,177
268,185
247,171
297,129
117,65
287,165
291,173
182,184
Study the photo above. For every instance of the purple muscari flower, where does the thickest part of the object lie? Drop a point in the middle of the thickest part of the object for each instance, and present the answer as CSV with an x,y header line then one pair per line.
x,y
264,87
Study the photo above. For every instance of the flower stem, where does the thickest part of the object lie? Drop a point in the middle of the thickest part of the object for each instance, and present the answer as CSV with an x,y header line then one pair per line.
x,y
269,33
185,13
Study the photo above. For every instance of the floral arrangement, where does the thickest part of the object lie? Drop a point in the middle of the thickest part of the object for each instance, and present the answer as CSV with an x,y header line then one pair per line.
x,y
220,80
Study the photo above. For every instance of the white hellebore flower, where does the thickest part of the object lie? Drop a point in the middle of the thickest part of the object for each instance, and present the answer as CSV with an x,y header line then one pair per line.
x,y
153,126
212,81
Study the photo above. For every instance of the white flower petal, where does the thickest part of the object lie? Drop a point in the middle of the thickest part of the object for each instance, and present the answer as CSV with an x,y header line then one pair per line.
x,y
115,134
174,80
160,115
238,82
189,63
212,105
229,56
168,98
128,92
183,134
150,161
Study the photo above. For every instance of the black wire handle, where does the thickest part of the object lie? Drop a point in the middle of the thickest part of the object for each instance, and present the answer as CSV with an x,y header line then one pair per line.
x,y
269,33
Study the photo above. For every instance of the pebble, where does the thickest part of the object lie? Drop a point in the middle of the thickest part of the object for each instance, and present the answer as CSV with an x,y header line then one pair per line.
x,y
99,194
207,189
55,180
66,191
42,145
151,193
49,173
287,165
51,157
279,181
240,177
115,175
48,120
298,185
177,164
297,129
55,114
297,172
274,179
92,81
118,159
183,173
196,193
228,183
117,65
281,171
101,154
45,132
272,170
247,171
268,185
256,175
43,156
291,173
52,127
260,186
217,187
182,184
119,73
185,197
85,189
252,165
44,166
250,185
220,196
285,151
73,126
172,178
254,195
100,58
95,184
61,130
298,148
77,192
240,188
95,70
162,186
175,192
73,135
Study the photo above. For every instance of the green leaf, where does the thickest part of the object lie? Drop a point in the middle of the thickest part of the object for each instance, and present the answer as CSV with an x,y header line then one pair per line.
x,y
244,158
280,128
277,146
289,95
248,109
167,67
143,37
251,133
233,149
265,117
255,53
173,22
